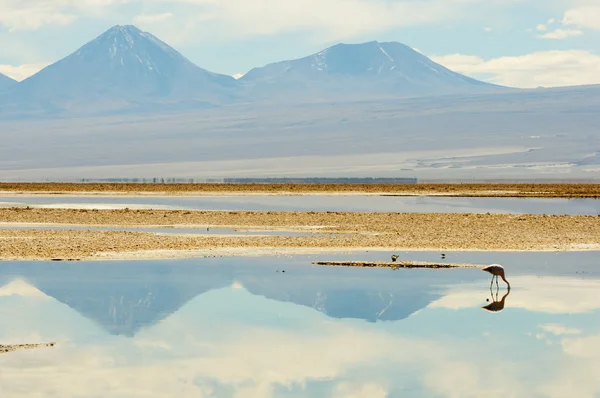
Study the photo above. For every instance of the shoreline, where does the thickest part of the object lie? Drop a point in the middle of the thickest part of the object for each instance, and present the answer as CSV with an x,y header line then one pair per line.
x,y
164,255
508,190
282,251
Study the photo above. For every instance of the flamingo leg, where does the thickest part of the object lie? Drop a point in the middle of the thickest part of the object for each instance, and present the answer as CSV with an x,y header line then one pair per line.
x,y
497,282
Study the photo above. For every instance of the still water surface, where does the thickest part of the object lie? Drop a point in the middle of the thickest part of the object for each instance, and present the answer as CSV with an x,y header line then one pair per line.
x,y
400,204
236,327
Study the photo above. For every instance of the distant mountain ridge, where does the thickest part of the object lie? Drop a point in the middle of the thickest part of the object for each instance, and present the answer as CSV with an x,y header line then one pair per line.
x,y
372,67
6,81
128,70
124,67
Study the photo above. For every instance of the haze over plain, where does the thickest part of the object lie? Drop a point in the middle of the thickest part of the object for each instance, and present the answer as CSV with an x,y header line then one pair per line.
x,y
128,105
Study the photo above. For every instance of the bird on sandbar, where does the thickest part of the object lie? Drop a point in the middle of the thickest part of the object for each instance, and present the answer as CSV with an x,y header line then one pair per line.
x,y
497,271
395,257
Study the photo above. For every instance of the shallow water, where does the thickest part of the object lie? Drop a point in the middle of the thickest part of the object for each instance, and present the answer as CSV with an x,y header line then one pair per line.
x,y
236,327
400,204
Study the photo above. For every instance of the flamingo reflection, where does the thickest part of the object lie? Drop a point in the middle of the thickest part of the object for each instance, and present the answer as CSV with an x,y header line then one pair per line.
x,y
495,305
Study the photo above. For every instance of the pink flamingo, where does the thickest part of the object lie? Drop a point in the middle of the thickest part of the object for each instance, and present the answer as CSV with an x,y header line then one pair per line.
x,y
497,271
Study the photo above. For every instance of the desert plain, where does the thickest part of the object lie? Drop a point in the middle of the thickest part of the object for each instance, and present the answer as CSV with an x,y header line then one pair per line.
x,y
61,234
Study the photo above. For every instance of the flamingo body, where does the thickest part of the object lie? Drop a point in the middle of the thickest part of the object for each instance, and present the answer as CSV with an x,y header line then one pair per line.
x,y
497,271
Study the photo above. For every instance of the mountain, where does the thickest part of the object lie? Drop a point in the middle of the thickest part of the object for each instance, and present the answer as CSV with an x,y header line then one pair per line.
x,y
358,69
121,69
6,81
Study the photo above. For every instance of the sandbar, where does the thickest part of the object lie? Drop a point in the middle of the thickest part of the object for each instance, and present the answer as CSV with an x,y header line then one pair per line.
x,y
340,231
18,347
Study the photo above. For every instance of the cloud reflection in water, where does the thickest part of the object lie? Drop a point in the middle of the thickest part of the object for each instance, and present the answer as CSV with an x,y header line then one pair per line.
x,y
234,342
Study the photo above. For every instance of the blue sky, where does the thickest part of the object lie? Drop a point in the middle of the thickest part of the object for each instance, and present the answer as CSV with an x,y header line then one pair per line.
x,y
523,43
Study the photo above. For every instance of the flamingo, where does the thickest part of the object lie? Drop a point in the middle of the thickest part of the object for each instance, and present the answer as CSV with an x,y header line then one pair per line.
x,y
496,270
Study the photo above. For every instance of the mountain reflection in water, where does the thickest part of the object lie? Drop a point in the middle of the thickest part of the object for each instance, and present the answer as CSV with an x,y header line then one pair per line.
x,y
238,328
123,299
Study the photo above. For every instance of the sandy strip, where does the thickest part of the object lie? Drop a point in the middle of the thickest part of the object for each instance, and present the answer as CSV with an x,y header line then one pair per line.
x,y
226,252
349,232
11,348
395,264
129,189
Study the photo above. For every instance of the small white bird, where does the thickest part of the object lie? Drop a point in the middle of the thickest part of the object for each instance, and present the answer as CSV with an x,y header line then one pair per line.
x,y
497,271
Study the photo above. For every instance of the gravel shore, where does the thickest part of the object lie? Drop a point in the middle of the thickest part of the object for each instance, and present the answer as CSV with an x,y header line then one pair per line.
x,y
354,231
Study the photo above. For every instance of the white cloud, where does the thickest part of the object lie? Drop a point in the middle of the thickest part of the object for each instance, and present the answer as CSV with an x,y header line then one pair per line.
x,y
562,34
557,33
326,20
335,18
584,347
545,68
206,19
331,19
354,390
179,360
33,18
19,287
152,18
585,17
19,15
181,357
488,29
21,72
578,369
550,295
560,330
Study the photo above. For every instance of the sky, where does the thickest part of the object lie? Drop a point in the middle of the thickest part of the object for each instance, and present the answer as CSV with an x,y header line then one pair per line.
x,y
519,43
